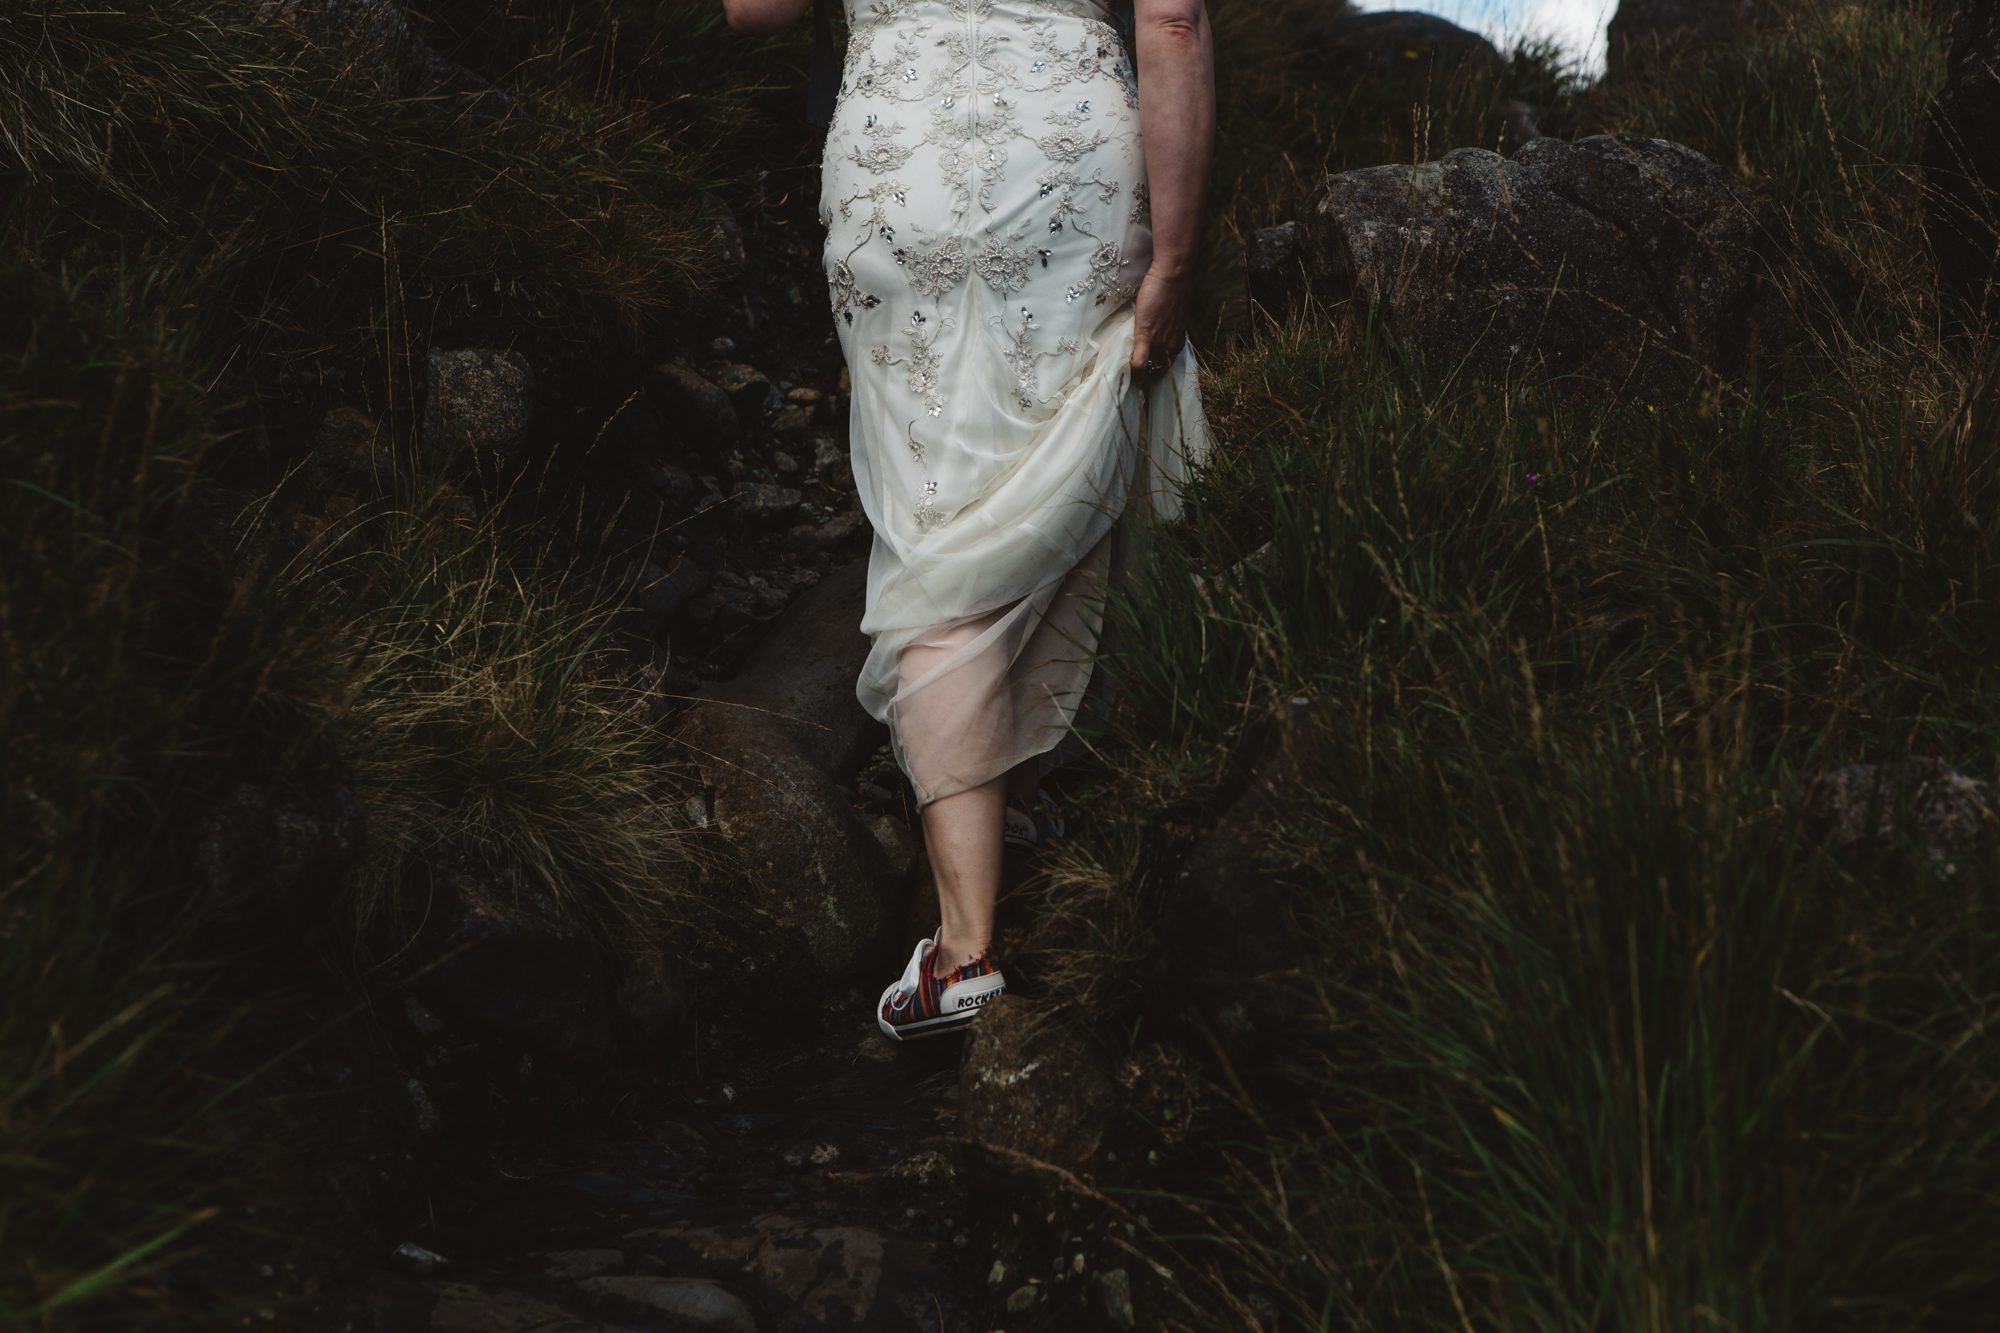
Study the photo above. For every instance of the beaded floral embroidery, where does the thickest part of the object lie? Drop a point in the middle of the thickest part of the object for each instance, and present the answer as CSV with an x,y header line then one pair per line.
x,y
932,97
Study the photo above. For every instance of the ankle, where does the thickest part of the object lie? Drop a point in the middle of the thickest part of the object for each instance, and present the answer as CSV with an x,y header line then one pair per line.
x,y
949,957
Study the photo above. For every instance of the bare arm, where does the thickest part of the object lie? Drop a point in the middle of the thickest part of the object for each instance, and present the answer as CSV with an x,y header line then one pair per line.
x,y
765,15
1176,61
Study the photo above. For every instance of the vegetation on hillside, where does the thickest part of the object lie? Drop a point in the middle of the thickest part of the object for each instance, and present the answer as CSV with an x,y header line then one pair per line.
x,y
1592,1030
216,227
1589,1027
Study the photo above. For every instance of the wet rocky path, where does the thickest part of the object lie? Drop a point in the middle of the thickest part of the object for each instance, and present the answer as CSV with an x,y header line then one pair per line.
x,y
807,1188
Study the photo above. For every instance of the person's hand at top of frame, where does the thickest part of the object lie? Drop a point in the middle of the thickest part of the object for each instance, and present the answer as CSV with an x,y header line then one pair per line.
x,y
1176,61
763,15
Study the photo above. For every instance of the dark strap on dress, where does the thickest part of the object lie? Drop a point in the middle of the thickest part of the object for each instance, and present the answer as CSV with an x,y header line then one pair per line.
x,y
823,85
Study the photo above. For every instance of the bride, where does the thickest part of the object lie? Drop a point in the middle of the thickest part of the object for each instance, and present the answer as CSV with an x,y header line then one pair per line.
x,y
1012,198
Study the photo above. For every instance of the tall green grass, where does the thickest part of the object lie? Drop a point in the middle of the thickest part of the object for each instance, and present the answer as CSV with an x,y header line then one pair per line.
x,y
215,227
1590,1030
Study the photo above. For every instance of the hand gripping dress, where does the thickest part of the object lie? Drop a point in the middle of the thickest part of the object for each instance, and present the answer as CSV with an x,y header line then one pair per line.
x,y
984,198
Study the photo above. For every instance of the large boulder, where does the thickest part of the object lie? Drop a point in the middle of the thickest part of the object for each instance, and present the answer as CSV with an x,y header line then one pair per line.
x,y
1394,44
1648,36
1961,163
1033,1091
1624,263
774,746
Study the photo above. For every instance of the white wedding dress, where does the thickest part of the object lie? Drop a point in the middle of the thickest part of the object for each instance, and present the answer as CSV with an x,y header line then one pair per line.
x,y
984,195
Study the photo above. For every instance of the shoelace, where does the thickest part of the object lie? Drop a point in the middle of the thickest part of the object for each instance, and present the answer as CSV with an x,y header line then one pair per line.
x,y
913,975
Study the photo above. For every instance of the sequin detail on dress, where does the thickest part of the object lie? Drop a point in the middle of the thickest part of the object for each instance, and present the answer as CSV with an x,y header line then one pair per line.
x,y
983,190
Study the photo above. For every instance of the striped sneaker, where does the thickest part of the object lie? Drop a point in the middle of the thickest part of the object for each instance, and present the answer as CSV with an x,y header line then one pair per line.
x,y
1018,830
918,1004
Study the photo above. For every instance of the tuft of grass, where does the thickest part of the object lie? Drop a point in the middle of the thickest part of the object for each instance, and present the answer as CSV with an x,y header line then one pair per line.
x,y
482,708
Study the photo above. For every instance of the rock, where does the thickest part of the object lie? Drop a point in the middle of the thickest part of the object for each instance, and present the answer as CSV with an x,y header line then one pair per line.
x,y
677,488
512,965
725,234
576,1265
926,1170
1022,1299
822,899
1396,44
461,1307
802,675
417,1259
805,394
767,505
725,1245
419,1108
1277,282
773,746
480,399
849,1275
784,464
654,997
1114,1298
792,419
1950,816
1033,1089
656,595
831,1274
750,389
1164,1088
696,1302
831,462
899,847
832,534
1648,37
701,410
1625,263
1961,165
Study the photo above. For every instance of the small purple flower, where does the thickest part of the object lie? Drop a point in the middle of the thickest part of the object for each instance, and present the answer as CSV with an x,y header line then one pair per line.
x,y
1531,477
